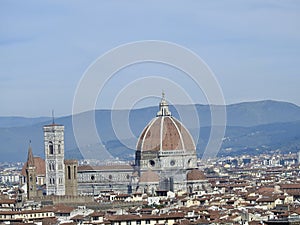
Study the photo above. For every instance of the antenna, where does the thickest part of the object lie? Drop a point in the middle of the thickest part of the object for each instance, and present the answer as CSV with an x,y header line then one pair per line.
x,y
53,116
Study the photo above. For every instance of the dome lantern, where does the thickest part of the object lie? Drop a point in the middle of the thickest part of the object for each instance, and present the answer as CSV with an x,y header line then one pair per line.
x,y
163,107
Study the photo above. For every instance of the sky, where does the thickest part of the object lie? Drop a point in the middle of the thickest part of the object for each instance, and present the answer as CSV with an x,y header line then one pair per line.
x,y
252,47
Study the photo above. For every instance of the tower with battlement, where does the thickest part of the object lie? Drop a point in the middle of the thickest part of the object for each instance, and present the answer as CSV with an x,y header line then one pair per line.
x,y
71,177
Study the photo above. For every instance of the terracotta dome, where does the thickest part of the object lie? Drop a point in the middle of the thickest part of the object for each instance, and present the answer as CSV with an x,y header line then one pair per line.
x,y
196,174
165,133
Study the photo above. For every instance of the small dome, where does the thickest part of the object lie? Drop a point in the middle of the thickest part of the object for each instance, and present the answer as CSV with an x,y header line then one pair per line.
x,y
196,174
149,176
165,133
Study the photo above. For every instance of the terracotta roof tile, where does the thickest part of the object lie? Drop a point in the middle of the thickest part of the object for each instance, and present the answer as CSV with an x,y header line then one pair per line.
x,y
172,132
39,165
105,167
196,174
149,177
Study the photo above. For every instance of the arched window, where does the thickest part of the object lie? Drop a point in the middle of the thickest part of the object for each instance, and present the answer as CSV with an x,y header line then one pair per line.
x,y
51,150
75,172
59,147
69,172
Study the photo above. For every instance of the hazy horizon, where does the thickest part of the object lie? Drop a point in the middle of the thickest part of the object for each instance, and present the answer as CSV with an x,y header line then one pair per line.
x,y
136,108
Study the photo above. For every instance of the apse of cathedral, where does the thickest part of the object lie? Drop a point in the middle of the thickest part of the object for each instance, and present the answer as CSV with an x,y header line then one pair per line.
x,y
165,160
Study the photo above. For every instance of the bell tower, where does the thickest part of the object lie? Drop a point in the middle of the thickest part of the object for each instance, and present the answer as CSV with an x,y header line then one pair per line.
x,y
54,155
31,175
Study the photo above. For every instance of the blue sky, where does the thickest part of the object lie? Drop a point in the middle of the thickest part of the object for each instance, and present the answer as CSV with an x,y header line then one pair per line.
x,y
253,47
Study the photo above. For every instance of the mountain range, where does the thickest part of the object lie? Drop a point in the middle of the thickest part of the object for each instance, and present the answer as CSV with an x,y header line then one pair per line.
x,y
252,128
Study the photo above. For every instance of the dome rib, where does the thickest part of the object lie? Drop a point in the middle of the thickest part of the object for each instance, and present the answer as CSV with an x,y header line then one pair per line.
x,y
165,133
179,132
185,136
161,132
145,131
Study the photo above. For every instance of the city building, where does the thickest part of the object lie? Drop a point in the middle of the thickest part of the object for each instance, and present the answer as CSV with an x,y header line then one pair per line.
x,y
58,175
165,160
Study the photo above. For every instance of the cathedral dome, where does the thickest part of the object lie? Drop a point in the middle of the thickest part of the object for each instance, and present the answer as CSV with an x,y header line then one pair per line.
x,y
165,133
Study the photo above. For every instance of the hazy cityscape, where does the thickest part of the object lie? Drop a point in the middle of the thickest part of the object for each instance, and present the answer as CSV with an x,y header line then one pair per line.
x,y
242,190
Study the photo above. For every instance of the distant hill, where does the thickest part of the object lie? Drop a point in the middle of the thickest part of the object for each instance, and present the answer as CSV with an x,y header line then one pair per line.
x,y
17,121
267,138
262,112
252,127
